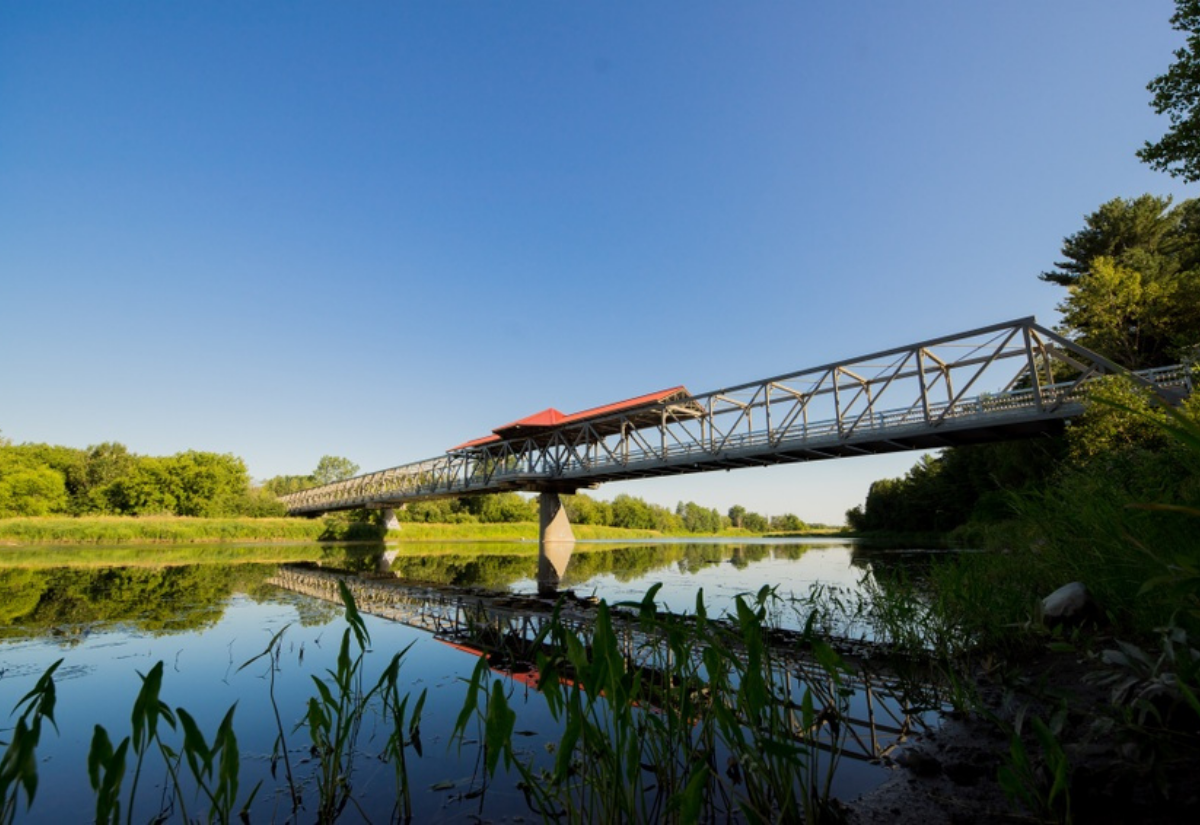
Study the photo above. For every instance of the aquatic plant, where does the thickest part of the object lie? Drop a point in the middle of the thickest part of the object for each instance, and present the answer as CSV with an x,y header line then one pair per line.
x,y
672,719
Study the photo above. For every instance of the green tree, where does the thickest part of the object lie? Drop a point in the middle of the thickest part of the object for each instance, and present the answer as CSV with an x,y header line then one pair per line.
x,y
756,523
147,490
583,509
503,507
27,487
788,522
632,513
1177,95
1133,281
1143,233
333,468
207,484
697,519
102,466
737,514
282,485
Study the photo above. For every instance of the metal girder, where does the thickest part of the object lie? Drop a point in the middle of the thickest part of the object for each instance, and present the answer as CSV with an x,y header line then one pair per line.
x,y
902,398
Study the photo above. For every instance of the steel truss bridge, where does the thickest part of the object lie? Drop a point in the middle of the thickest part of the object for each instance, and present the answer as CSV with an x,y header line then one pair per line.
x,y
1006,381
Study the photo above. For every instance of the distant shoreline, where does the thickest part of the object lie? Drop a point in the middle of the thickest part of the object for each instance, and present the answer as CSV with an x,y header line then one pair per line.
x,y
107,530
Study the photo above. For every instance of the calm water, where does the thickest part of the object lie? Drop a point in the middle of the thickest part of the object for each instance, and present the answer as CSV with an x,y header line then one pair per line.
x,y
204,621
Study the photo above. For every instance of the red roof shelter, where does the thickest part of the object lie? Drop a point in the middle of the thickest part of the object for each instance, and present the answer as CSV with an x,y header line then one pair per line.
x,y
621,412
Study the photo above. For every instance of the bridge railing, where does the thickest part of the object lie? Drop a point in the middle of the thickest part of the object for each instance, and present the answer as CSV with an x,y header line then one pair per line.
x,y
854,406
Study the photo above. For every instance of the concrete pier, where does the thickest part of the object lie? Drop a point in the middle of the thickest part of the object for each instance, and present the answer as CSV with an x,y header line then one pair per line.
x,y
556,541
390,522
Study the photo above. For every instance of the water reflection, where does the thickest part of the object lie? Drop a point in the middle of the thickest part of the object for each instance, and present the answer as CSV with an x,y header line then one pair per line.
x,y
204,620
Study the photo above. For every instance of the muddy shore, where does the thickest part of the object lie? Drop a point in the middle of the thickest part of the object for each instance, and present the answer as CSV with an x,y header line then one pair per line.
x,y
1117,771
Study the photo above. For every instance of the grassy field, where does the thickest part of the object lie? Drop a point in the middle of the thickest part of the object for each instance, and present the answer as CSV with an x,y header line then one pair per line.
x,y
168,529
179,530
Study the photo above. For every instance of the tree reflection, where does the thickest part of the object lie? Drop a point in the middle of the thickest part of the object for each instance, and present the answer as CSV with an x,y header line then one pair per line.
x,y
65,602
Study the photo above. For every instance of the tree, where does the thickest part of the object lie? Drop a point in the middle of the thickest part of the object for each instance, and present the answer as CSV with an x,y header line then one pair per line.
x,y
1142,233
333,468
207,484
1133,281
788,522
756,523
27,488
1177,95
103,465
736,514
697,519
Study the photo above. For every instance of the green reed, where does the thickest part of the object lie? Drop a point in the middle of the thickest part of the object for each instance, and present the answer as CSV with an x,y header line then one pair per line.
x,y
18,765
689,719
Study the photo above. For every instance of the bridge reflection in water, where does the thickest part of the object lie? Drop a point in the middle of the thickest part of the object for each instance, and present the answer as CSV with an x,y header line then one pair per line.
x,y
884,710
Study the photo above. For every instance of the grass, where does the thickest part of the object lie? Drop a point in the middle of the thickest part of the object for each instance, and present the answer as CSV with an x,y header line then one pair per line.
x,y
178,529
166,529
701,724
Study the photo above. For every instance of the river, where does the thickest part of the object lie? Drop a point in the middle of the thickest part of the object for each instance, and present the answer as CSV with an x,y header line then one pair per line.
x,y
204,620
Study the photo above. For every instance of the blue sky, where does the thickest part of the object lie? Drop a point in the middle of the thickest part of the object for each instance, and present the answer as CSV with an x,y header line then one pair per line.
x,y
284,230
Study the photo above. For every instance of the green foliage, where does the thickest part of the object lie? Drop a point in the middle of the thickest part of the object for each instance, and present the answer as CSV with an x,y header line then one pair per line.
x,y
583,509
501,508
1139,320
333,468
42,479
18,764
1119,516
755,523
1133,280
1045,788
642,727
148,598
29,489
175,529
737,513
697,519
788,523
636,514
963,484
1176,94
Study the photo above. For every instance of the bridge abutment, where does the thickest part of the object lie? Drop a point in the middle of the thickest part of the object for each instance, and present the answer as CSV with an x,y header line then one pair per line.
x,y
556,541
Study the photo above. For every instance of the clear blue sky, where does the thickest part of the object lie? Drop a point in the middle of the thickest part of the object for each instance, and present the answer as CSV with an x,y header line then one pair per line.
x,y
283,230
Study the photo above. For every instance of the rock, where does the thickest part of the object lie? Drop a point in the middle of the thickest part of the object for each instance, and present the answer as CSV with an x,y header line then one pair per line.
x,y
1069,604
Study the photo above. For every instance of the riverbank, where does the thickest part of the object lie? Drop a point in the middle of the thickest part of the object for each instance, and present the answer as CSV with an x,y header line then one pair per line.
x,y
156,529
1045,741
184,530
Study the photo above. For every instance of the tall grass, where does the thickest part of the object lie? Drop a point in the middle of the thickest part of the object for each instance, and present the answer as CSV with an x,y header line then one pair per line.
x,y
702,724
1121,518
128,529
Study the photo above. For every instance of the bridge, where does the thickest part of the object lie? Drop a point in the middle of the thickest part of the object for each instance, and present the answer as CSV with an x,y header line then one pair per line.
x,y
1010,380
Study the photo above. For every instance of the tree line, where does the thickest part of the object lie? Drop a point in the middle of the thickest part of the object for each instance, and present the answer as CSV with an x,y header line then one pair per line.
x,y
624,511
108,479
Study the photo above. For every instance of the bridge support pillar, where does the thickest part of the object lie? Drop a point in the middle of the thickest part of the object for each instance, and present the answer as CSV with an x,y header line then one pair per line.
x,y
390,522
556,540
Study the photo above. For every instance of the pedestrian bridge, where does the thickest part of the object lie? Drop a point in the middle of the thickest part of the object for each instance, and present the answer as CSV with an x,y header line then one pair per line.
x,y
1001,382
